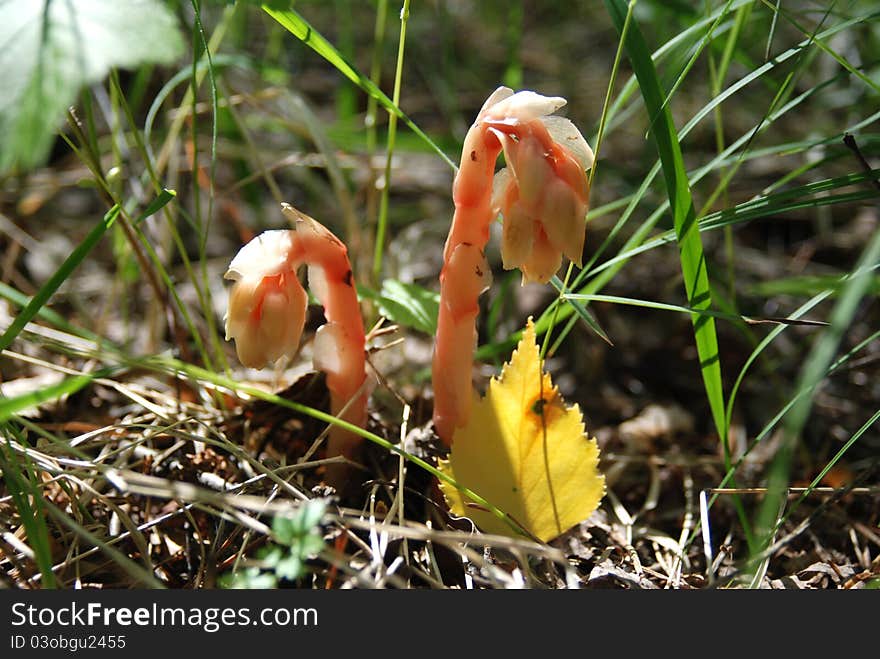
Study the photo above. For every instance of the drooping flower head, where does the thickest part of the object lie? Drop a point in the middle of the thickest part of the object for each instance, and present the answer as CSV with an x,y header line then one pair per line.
x,y
267,308
543,195
267,304
544,192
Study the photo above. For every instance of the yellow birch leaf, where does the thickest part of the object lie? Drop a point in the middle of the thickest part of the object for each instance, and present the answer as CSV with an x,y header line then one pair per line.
x,y
525,451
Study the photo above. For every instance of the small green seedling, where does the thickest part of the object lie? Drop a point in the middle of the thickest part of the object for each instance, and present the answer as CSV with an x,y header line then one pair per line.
x,y
296,538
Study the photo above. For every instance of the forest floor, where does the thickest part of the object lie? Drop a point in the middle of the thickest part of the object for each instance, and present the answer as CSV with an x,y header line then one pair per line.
x,y
150,474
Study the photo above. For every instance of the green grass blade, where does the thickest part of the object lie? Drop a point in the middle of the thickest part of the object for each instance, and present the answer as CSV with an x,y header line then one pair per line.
x,y
189,371
773,23
60,276
815,369
705,41
768,206
693,260
21,482
382,220
837,457
723,159
821,43
663,306
770,425
766,341
580,309
302,30
562,286
11,406
54,318
164,197
70,264
143,576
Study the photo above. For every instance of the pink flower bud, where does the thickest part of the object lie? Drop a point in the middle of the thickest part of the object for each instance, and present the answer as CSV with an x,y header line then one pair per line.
x,y
267,304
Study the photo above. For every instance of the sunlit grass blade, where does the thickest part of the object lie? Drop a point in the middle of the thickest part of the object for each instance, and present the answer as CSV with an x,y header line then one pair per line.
x,y
729,155
775,419
805,285
815,369
54,318
60,276
382,220
140,574
21,481
821,43
693,260
741,214
663,306
563,286
580,310
809,196
70,264
856,436
11,406
704,41
302,30
184,370
685,38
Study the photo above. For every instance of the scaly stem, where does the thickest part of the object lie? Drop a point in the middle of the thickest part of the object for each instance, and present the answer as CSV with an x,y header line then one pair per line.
x,y
339,344
464,276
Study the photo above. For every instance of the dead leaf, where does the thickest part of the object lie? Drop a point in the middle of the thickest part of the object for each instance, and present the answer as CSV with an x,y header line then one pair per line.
x,y
655,422
526,452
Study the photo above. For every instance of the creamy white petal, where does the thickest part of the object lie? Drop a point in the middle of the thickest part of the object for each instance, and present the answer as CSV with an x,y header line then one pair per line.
x,y
499,189
531,170
562,216
318,284
328,347
517,234
543,262
525,106
566,133
264,255
495,97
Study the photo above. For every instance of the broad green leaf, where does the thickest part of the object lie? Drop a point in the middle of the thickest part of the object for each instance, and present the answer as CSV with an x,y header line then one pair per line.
x,y
251,578
409,305
301,523
49,50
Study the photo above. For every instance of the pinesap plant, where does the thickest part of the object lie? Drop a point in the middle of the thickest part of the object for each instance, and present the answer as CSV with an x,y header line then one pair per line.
x,y
521,448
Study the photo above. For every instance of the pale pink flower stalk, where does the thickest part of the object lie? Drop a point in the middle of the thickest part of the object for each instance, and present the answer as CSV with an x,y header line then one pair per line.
x,y
267,308
543,196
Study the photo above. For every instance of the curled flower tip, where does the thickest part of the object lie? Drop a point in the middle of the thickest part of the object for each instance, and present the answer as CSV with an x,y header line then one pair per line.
x,y
508,107
267,307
